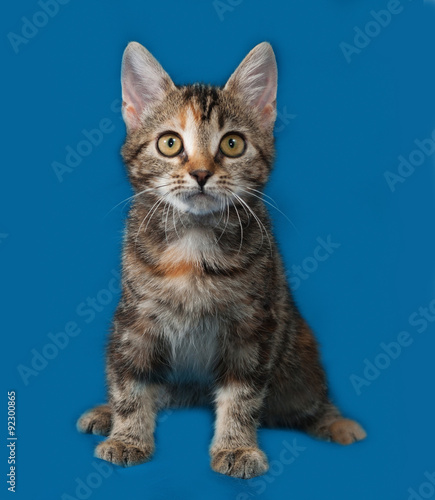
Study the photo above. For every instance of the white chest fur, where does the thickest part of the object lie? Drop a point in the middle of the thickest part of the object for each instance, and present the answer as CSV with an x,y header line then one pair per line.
x,y
192,247
193,348
188,305
183,281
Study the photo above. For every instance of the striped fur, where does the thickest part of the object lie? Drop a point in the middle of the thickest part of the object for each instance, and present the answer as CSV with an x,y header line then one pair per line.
x,y
206,315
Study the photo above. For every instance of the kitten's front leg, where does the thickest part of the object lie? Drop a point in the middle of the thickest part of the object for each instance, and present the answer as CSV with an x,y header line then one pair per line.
x,y
137,361
234,450
131,440
239,398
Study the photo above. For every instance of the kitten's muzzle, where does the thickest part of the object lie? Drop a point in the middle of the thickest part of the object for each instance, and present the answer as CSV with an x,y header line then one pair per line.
x,y
201,176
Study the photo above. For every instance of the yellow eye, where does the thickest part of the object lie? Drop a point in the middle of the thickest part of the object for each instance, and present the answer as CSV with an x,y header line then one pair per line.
x,y
169,145
232,145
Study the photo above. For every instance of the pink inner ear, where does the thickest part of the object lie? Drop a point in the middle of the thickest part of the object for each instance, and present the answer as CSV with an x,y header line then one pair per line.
x,y
255,81
144,83
268,97
269,113
130,115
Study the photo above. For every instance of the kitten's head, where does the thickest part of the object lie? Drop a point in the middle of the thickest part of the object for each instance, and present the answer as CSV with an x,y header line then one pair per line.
x,y
198,147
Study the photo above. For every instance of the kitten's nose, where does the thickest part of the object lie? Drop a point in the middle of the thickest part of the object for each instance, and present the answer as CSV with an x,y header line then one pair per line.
x,y
201,176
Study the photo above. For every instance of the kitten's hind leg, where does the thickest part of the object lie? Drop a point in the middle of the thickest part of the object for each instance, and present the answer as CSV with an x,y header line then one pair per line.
x,y
330,425
98,420
298,396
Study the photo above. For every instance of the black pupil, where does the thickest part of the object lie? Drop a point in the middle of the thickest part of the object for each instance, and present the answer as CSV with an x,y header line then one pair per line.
x,y
231,143
171,142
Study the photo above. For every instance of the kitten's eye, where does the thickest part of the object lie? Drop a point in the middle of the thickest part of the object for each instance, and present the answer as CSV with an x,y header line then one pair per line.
x,y
169,145
232,145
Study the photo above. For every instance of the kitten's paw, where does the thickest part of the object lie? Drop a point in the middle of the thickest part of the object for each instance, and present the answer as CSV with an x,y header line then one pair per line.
x,y
123,454
240,462
345,431
96,421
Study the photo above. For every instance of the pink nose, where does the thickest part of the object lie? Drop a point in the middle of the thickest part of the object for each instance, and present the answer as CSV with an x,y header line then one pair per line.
x,y
201,176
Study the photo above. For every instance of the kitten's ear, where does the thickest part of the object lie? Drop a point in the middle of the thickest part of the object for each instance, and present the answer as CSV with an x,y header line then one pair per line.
x,y
255,81
144,83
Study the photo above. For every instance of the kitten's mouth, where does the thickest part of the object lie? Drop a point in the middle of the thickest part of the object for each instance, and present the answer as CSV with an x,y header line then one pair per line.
x,y
202,201
201,193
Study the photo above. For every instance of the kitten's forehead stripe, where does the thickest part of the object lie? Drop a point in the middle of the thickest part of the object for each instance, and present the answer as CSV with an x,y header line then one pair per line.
x,y
212,102
196,112
191,129
182,119
221,120
203,97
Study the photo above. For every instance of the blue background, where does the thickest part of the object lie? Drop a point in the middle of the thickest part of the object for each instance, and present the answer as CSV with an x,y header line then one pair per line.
x,y
60,242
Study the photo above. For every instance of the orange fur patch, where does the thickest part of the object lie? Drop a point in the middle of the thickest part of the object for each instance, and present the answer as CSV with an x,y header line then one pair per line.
x,y
200,162
176,270
182,119
196,112
172,267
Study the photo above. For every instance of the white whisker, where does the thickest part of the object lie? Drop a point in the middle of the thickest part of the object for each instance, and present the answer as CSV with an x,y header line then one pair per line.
x,y
241,227
147,190
149,215
273,206
263,194
174,222
166,220
259,222
226,223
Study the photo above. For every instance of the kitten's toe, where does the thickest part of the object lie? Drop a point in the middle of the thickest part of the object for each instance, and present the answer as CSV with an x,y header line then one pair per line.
x,y
240,462
345,431
96,421
123,454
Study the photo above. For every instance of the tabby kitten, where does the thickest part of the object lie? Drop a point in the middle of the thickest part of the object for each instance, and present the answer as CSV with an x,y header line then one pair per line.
x,y
206,315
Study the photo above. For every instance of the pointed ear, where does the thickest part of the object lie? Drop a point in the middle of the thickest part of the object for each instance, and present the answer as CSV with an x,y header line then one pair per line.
x,y
144,83
255,82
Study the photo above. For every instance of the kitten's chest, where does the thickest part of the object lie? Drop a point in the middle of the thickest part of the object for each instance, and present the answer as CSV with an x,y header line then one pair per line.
x,y
192,247
183,279
193,348
189,316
